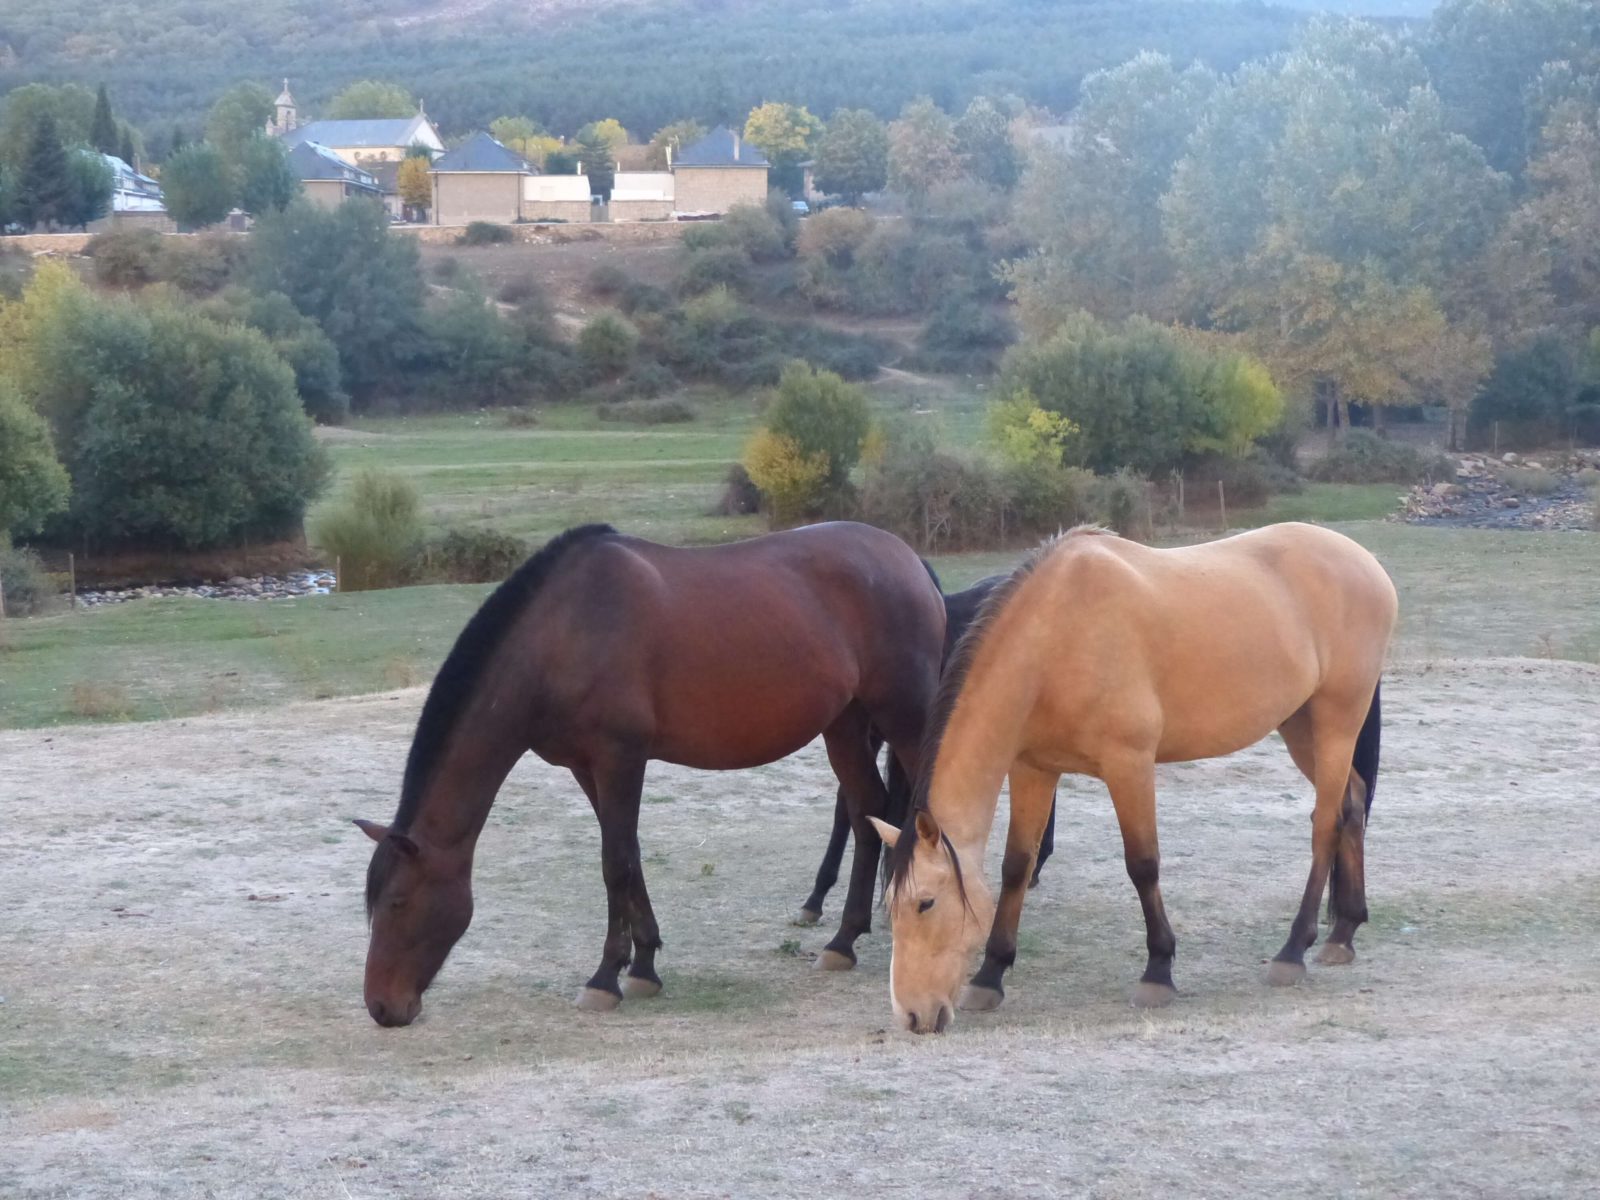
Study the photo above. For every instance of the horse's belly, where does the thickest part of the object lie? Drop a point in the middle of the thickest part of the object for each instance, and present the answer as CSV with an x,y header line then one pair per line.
x,y
725,736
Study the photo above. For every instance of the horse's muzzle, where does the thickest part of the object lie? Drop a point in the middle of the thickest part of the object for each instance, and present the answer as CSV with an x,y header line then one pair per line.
x,y
917,1024
391,1017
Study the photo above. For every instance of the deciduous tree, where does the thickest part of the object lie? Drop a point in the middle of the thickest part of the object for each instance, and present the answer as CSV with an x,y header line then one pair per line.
x,y
198,186
922,149
852,155
372,99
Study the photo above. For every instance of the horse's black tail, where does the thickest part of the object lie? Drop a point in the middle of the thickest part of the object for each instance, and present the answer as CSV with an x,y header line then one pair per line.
x,y
1364,763
932,574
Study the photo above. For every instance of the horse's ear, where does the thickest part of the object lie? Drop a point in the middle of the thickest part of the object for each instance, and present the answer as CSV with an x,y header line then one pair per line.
x,y
928,828
372,829
886,831
406,845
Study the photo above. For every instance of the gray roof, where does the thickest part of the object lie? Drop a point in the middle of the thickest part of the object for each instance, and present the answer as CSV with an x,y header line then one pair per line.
x,y
356,135
721,148
480,152
310,161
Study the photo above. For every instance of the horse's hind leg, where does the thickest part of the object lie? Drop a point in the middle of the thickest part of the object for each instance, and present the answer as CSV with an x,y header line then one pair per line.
x,y
1032,807
1347,891
1328,745
828,872
851,755
1047,844
613,785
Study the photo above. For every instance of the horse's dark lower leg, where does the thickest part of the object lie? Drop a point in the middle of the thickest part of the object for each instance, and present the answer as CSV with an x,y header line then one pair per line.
x,y
1133,793
1047,844
1032,797
616,783
1347,889
850,753
828,872
1332,773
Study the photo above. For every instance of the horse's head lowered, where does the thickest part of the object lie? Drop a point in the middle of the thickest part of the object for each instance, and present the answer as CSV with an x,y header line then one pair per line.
x,y
938,915
419,901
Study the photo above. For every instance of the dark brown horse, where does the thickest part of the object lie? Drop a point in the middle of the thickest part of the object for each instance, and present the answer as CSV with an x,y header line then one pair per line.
x,y
959,610
603,652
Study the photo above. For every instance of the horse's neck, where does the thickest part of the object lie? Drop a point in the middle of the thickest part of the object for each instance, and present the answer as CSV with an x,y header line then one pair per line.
x,y
462,787
977,750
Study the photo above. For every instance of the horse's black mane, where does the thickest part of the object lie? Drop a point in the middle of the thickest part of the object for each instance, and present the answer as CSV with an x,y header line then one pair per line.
x,y
459,677
954,679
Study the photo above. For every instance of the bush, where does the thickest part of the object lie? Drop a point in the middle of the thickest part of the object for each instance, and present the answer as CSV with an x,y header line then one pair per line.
x,y
484,233
1247,482
201,265
933,499
302,344
821,414
524,291
1533,396
33,483
447,270
125,258
740,496
1122,502
790,478
607,343
636,298
176,430
1530,481
1363,457
375,534
471,556
964,334
668,411
718,266
646,381
28,588
835,235
608,280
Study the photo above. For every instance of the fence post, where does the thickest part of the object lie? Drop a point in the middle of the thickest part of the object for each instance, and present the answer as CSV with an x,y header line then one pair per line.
x,y
72,578
2,599
338,574
1181,517
1222,500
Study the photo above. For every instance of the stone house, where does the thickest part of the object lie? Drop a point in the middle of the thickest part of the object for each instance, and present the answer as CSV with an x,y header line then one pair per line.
x,y
480,180
718,172
329,180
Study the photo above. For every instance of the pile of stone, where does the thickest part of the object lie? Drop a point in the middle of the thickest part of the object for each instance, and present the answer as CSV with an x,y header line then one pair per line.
x,y
1484,494
261,587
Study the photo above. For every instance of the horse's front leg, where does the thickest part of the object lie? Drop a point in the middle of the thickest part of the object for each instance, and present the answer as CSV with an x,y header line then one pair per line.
x,y
1032,809
851,755
613,784
1131,781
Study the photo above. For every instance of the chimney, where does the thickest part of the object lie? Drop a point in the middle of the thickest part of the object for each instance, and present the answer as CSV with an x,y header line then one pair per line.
x,y
669,154
736,145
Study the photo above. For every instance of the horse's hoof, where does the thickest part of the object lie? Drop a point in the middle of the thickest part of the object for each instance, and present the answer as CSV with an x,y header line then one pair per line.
x,y
1336,954
635,987
1286,974
1152,995
594,1000
976,998
806,916
832,960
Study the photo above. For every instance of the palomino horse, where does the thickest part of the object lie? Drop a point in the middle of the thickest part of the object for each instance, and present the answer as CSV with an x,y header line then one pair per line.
x,y
1103,657
959,610
603,652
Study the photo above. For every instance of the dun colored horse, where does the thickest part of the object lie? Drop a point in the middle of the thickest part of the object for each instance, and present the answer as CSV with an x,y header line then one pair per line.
x,y
603,652
959,610
1102,657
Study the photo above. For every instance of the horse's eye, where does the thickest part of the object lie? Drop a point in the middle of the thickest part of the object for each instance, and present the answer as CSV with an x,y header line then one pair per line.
x,y
397,904
925,906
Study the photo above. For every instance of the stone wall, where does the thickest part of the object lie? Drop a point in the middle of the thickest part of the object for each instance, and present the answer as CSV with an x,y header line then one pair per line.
x,y
641,210
460,197
717,189
658,231
572,212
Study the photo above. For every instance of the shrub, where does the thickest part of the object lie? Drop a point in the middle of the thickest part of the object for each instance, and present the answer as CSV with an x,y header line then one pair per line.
x,y
636,298
201,265
718,266
1121,501
125,258
821,414
302,344
28,588
33,483
754,231
608,280
934,499
1530,481
791,478
484,233
1247,482
523,291
471,556
520,418
964,334
668,411
374,534
447,270
1363,457
835,235
740,495
606,343
645,381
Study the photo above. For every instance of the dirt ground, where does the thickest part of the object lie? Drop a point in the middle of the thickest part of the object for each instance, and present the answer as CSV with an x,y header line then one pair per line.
x,y
181,955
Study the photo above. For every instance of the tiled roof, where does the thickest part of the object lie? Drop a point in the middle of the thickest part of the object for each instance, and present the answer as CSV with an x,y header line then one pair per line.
x,y
309,161
480,152
720,148
357,135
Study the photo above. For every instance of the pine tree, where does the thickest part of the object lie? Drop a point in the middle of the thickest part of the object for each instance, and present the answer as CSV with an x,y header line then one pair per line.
x,y
125,150
44,181
103,129
599,164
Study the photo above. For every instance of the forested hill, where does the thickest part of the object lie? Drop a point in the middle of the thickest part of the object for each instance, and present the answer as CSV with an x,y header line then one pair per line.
x,y
645,63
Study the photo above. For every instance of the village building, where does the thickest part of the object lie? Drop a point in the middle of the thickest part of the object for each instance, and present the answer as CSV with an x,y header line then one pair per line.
x,y
642,196
556,198
136,201
327,179
718,172
480,180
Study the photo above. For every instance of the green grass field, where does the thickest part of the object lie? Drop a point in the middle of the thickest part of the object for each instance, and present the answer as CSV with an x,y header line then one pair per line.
x,y
1464,593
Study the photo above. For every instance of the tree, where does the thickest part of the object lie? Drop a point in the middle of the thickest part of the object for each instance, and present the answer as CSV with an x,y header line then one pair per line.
x,y
344,269
89,187
126,150
786,134
103,127
822,414
852,155
606,343
198,186
371,99
70,109
240,114
44,181
922,149
266,181
599,164
301,343
414,183
673,137
33,483
609,130
983,142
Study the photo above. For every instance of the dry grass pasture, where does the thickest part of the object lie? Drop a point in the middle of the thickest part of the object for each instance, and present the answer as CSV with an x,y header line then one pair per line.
x,y
181,957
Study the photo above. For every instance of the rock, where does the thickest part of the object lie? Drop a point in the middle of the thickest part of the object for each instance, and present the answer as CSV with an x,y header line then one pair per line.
x,y
1508,457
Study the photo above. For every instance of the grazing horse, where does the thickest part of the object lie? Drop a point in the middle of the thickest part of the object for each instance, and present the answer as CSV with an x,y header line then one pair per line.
x,y
603,652
959,610
1103,657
